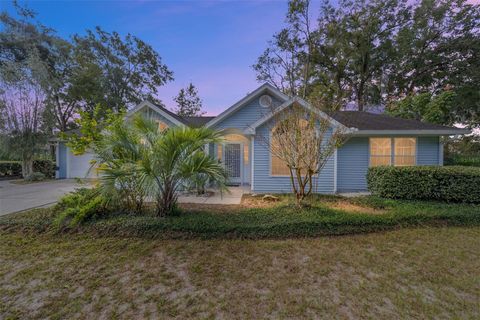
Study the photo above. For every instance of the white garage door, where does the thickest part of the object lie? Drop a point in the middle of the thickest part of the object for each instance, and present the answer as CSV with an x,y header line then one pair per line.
x,y
78,166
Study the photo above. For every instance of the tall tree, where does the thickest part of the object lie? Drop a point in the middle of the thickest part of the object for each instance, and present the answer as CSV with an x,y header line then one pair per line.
x,y
22,105
19,38
437,49
117,72
188,102
371,52
355,42
286,63
425,107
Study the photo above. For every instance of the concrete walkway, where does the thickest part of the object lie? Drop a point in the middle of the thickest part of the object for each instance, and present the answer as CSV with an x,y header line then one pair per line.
x,y
234,197
20,197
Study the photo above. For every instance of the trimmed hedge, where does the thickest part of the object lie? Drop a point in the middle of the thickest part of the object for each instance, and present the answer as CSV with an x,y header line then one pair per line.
x,y
451,184
14,168
10,169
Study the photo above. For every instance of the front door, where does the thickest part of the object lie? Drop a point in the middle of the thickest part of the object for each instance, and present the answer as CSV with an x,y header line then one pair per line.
x,y
233,162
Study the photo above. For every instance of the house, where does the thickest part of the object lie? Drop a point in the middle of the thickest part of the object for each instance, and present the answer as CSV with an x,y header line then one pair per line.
x,y
375,140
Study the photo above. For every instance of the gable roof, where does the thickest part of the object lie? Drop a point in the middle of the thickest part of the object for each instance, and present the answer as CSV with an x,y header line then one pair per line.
x,y
288,103
266,87
159,109
359,122
367,122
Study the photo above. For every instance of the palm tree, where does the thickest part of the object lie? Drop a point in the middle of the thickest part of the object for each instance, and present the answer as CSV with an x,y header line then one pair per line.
x,y
117,154
157,163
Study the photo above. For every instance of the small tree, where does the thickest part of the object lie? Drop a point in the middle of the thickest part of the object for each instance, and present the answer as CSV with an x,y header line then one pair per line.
x,y
21,108
188,102
303,140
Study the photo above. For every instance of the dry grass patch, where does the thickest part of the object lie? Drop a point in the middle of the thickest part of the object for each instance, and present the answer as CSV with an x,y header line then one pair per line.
x,y
353,208
411,273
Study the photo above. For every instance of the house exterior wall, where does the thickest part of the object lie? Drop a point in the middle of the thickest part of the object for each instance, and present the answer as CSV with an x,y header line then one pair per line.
x,y
428,151
354,156
245,116
264,182
352,165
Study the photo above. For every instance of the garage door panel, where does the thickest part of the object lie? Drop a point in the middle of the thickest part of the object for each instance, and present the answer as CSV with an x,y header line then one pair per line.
x,y
79,166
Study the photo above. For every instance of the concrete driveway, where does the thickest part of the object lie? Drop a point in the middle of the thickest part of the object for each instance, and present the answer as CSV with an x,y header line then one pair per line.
x,y
19,197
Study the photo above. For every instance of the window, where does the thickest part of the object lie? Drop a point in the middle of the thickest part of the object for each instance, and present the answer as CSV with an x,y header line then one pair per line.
x,y
380,152
161,125
278,166
245,154
219,152
404,151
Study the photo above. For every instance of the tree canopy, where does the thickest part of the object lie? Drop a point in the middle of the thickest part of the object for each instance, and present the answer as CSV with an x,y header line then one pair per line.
x,y
366,53
188,102
85,71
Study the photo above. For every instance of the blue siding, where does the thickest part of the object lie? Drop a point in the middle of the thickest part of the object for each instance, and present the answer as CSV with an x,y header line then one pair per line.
x,y
264,182
352,165
428,151
353,161
62,160
247,115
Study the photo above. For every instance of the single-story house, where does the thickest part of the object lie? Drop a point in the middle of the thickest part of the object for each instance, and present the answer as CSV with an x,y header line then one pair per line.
x,y
376,139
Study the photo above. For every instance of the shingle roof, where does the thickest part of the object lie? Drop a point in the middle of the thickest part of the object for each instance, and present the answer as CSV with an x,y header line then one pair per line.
x,y
196,121
174,115
370,121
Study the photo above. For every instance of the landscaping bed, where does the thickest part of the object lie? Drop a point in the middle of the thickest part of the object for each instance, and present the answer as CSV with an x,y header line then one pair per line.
x,y
255,219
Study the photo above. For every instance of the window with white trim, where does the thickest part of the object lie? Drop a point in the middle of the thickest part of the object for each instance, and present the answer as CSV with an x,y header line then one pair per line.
x,y
393,151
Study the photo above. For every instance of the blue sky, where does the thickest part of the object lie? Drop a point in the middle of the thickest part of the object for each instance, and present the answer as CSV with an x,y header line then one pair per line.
x,y
211,43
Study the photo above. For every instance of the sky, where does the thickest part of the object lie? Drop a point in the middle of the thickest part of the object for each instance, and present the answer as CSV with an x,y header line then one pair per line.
x,y
209,43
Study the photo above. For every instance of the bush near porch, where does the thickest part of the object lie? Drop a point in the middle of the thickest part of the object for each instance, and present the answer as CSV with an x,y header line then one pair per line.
x,y
325,215
451,184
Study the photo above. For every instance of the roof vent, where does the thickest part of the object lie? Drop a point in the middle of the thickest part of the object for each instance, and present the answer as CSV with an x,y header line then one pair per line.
x,y
266,101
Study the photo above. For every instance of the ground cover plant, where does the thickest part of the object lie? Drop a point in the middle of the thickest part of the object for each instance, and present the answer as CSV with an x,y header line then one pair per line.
x,y
324,215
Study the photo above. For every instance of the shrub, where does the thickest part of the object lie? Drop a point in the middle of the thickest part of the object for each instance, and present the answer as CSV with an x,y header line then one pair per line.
x,y
47,167
35,176
80,206
14,168
10,169
458,160
451,184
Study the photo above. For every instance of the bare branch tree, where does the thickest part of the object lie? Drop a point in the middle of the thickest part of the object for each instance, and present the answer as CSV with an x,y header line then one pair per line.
x,y
303,141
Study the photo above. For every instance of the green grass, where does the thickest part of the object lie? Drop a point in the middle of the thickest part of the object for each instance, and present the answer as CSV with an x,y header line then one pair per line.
x,y
324,216
421,273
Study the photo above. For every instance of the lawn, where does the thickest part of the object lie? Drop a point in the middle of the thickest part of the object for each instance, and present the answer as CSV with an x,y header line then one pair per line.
x,y
407,273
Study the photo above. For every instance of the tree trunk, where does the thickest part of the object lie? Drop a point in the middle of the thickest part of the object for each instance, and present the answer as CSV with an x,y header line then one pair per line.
x,y
27,167
360,102
167,201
